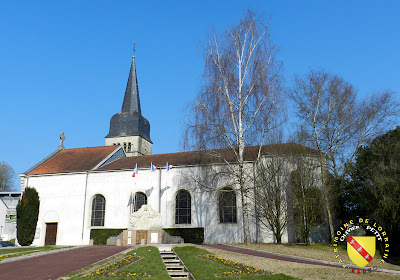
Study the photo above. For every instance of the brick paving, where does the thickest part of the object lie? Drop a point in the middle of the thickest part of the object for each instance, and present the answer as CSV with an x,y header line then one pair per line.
x,y
53,266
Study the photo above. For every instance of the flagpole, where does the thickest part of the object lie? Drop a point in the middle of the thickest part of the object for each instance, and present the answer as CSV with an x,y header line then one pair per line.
x,y
130,202
166,189
159,191
133,196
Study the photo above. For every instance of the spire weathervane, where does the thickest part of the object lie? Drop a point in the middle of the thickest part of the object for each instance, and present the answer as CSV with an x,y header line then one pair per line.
x,y
134,49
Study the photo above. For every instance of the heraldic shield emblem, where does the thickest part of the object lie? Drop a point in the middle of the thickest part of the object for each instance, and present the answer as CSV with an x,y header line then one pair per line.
x,y
361,249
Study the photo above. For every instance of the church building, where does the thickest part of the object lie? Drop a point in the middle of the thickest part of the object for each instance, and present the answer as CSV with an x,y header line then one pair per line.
x,y
82,189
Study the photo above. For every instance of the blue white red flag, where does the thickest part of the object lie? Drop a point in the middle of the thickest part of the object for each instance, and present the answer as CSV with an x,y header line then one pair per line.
x,y
169,166
135,171
153,167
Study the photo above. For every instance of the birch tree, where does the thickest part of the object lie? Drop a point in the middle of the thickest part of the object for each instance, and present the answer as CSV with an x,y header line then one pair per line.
x,y
336,123
241,99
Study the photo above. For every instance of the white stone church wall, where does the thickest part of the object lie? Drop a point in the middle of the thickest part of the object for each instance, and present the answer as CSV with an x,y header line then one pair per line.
x,y
118,189
205,211
67,200
61,201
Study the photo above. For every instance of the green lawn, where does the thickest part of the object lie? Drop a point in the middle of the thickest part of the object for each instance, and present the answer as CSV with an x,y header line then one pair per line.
x,y
203,269
151,264
11,252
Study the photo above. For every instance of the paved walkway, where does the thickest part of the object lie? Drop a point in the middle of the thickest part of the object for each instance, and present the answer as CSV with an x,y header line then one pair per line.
x,y
53,266
286,258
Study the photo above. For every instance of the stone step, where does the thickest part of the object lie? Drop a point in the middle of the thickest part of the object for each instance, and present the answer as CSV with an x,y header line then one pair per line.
x,y
172,262
169,257
163,254
179,274
175,268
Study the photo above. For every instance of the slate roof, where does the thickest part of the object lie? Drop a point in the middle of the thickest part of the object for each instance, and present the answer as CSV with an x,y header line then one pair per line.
x,y
198,157
131,98
74,160
130,122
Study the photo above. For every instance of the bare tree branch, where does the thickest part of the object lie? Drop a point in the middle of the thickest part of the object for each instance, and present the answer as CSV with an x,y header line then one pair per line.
x,y
7,175
241,100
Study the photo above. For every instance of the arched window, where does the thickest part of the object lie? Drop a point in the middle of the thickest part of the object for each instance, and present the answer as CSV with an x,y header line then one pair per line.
x,y
227,206
98,210
183,209
139,200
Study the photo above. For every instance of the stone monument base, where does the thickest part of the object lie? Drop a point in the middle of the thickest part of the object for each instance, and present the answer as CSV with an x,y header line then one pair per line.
x,y
132,237
145,227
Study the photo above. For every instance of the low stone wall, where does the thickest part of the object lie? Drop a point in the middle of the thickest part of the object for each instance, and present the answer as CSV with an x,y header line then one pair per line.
x,y
150,236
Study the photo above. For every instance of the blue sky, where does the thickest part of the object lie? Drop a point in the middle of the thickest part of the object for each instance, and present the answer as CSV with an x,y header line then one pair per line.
x,y
64,64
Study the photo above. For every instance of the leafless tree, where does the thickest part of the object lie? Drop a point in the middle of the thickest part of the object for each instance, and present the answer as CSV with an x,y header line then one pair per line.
x,y
272,179
241,98
306,196
6,176
335,123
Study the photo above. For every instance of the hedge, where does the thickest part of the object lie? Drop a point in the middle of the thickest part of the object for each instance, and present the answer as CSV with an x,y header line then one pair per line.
x,y
101,235
189,235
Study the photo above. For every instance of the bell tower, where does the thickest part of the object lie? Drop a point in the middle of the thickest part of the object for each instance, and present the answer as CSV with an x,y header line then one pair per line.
x,y
129,128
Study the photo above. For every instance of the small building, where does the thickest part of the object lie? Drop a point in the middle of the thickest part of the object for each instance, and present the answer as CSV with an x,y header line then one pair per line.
x,y
8,215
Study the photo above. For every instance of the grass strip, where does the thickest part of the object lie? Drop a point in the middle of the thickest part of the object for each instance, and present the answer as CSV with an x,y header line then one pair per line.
x,y
239,268
17,252
204,269
30,249
146,262
150,264
111,269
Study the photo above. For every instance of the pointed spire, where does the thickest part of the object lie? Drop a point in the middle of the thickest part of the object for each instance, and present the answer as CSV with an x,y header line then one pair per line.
x,y
130,122
131,99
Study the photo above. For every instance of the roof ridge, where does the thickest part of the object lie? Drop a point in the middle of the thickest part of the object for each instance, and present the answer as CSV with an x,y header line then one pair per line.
x,y
89,147
246,147
42,161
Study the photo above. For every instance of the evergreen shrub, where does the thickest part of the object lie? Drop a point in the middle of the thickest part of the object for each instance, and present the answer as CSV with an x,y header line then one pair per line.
x,y
101,235
27,216
189,235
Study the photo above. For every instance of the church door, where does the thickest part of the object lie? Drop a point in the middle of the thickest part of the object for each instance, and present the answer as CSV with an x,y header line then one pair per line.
x,y
51,234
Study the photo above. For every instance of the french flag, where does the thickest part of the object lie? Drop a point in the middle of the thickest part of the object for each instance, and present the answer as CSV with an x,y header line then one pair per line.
x,y
153,167
135,171
169,166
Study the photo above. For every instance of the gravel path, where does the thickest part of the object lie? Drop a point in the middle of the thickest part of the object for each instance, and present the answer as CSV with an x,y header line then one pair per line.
x,y
291,267
275,256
